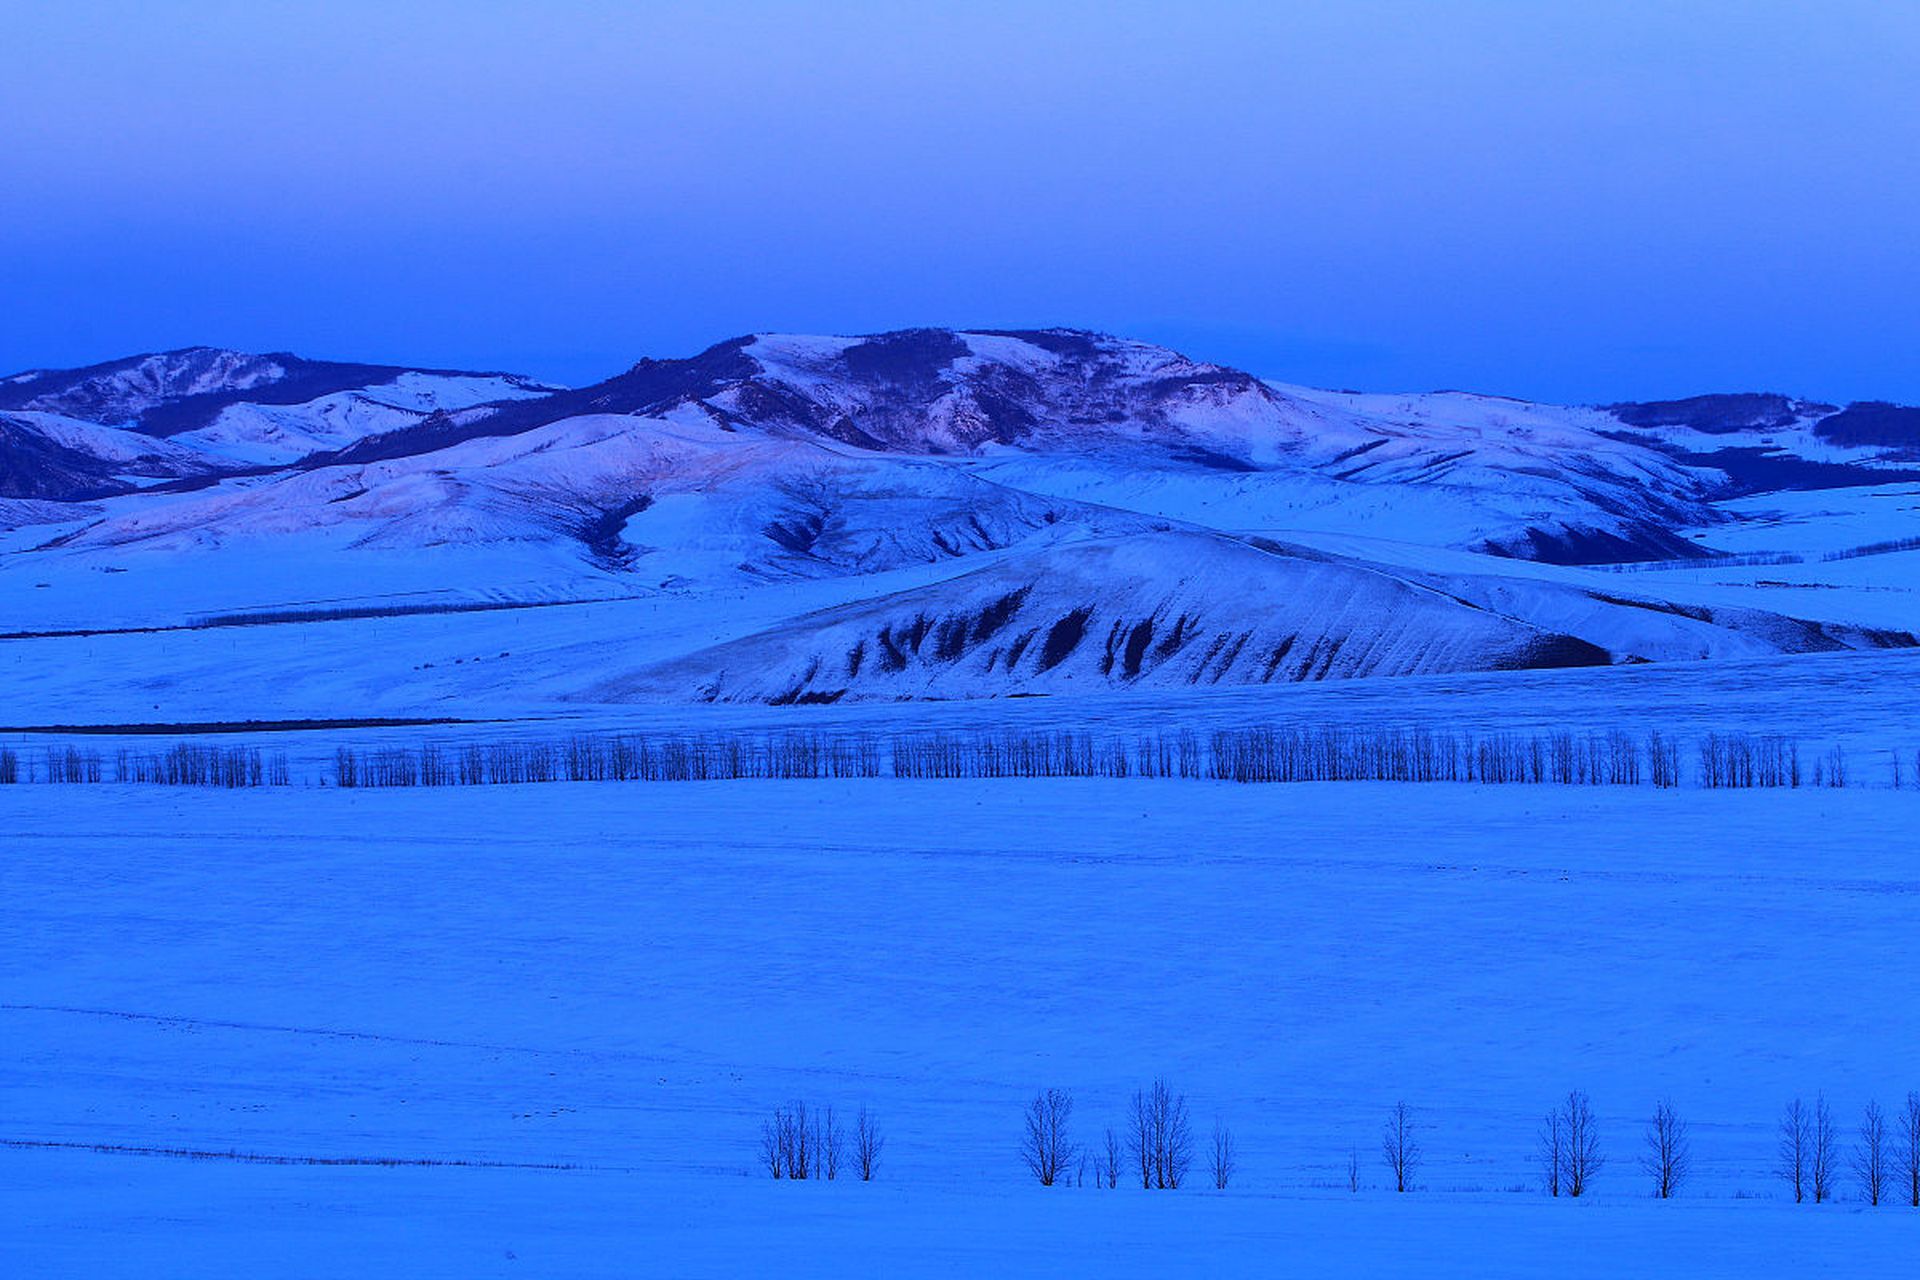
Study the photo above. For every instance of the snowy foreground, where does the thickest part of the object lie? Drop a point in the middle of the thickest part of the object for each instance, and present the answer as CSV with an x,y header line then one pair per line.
x,y
626,979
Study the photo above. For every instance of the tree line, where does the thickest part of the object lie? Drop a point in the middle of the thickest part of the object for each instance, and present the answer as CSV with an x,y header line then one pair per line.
x,y
1155,1147
184,764
1250,755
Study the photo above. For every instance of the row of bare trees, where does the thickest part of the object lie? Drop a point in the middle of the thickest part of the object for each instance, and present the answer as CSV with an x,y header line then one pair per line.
x,y
1322,753
1293,754
1884,1158
1157,1147
185,764
614,758
800,1145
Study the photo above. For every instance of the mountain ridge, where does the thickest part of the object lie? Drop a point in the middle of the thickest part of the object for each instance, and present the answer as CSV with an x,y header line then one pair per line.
x,y
1043,474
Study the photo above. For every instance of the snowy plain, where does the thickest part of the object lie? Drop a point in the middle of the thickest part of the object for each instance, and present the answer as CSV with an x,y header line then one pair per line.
x,y
629,978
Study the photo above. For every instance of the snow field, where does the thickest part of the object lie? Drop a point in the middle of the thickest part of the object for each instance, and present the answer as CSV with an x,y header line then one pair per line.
x,y
628,977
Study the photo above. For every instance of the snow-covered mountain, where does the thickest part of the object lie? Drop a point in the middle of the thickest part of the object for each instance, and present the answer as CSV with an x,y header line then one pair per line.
x,y
1128,424
1188,522
47,456
246,409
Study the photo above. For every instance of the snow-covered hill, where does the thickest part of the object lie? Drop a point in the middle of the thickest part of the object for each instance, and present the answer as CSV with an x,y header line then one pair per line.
x,y
247,409
1175,609
1767,442
1133,425
1184,609
1202,525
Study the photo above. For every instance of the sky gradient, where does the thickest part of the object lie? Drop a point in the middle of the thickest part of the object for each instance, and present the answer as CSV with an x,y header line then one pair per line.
x,y
1580,202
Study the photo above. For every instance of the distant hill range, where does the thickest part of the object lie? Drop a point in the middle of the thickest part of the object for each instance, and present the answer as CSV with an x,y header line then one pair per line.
x,y
978,511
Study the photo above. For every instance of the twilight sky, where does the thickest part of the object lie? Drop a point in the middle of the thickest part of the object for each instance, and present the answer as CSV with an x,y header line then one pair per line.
x,y
1582,201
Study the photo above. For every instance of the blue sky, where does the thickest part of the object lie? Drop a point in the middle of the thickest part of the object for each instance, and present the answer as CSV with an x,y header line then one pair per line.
x,y
1577,201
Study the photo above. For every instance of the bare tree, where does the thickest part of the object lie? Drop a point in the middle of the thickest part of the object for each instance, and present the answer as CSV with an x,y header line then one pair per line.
x,y
1223,1158
868,1142
1176,1135
1568,1148
830,1142
1397,1145
1353,1170
1045,1147
800,1150
1553,1152
1161,1137
1140,1139
1669,1151
1583,1144
1108,1167
1870,1163
788,1144
1823,1167
1796,1147
773,1154
1907,1152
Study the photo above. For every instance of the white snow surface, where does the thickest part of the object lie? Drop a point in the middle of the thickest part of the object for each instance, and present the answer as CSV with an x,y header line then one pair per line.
x,y
627,979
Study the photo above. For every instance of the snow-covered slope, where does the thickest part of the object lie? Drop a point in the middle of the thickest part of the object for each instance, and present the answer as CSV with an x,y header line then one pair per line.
x,y
48,456
274,434
239,409
670,504
1186,609
1164,609
125,392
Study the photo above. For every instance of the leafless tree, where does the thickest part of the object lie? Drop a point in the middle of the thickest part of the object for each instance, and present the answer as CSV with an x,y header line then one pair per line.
x,y
1397,1145
1568,1149
1583,1144
1176,1135
1223,1159
1161,1137
1870,1162
789,1144
868,1142
773,1156
831,1143
1553,1152
1823,1167
800,1147
1045,1147
1353,1171
1669,1151
1907,1150
1796,1147
1109,1165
